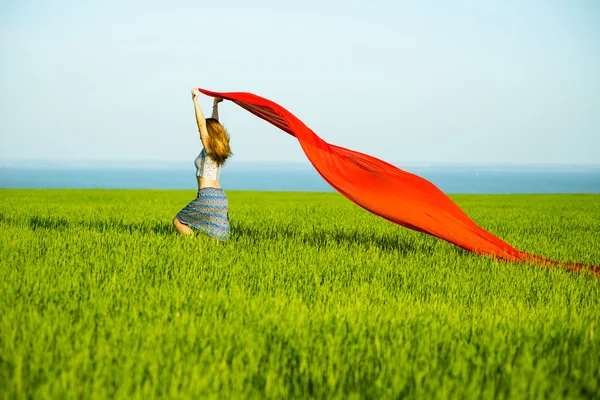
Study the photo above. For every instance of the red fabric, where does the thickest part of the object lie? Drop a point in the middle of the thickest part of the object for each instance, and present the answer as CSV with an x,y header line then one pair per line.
x,y
381,188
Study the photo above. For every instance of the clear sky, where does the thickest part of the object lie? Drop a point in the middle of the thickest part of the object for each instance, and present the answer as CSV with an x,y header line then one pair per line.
x,y
405,81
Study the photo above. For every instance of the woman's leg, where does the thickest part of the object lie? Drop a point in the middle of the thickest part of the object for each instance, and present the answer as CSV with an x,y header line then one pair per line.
x,y
182,228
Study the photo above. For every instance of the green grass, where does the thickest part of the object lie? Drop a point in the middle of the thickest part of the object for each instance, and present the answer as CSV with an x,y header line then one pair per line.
x,y
312,297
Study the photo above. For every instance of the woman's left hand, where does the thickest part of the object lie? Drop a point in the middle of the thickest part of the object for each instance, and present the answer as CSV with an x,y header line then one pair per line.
x,y
195,94
218,100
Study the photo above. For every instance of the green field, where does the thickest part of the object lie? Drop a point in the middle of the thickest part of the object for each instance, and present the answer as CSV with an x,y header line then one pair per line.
x,y
312,297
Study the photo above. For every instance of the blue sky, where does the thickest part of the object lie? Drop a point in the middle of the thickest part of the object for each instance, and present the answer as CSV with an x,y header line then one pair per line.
x,y
408,82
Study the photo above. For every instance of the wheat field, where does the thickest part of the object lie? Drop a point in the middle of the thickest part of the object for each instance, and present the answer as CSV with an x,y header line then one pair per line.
x,y
312,297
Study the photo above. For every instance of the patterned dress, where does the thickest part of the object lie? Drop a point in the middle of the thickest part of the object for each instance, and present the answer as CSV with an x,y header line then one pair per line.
x,y
209,213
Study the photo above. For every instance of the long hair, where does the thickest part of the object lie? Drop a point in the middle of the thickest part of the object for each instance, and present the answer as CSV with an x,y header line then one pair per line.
x,y
218,143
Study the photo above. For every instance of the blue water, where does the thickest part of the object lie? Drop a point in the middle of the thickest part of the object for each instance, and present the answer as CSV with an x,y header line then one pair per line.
x,y
302,177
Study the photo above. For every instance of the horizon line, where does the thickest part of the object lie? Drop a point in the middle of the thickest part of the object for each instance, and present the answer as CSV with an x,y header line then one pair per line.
x,y
305,161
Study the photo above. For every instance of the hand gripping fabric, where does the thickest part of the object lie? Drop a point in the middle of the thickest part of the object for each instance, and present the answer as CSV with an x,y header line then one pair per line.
x,y
385,190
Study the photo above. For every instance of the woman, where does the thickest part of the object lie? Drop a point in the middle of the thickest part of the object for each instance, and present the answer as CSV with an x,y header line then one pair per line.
x,y
209,211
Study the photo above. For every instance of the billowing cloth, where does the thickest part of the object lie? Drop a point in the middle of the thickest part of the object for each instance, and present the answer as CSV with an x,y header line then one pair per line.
x,y
209,213
385,190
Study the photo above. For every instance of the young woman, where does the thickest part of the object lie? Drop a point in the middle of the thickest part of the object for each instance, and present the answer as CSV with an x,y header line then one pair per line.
x,y
209,211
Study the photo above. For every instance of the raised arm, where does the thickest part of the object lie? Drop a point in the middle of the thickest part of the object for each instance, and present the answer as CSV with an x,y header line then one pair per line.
x,y
200,120
215,112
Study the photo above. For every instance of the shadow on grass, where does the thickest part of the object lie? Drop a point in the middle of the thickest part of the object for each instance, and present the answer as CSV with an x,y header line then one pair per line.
x,y
109,225
337,238
316,238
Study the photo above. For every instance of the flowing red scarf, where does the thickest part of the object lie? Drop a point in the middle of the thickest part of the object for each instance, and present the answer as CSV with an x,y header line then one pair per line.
x,y
385,190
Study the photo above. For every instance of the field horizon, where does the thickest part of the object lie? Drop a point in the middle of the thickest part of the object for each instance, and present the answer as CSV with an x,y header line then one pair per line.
x,y
312,297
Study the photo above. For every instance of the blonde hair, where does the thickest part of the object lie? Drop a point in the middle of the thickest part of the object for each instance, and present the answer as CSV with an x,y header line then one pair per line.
x,y
218,144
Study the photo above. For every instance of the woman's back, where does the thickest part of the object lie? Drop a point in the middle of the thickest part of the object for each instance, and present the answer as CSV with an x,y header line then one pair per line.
x,y
207,170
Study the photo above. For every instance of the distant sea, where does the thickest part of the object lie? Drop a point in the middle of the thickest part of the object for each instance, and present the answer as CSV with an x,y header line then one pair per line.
x,y
471,179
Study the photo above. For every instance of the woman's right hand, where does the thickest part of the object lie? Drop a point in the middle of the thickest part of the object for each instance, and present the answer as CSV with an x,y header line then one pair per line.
x,y
195,94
